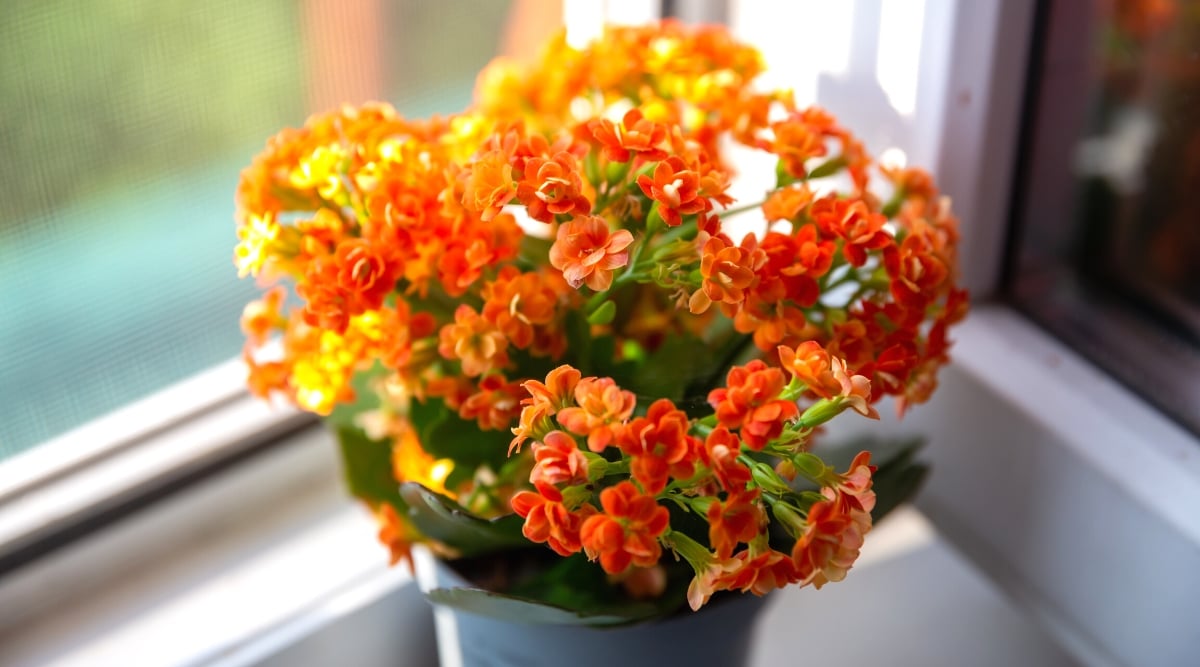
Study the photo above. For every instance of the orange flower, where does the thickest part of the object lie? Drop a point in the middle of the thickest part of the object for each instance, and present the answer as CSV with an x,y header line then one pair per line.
x,y
916,273
396,534
676,189
829,545
489,185
720,452
660,446
586,251
786,203
854,486
912,182
474,341
553,187
635,134
851,220
627,531
533,424
548,520
495,405
728,271
759,573
557,392
750,402
602,408
261,317
558,461
739,518
811,364
364,274
855,389
518,304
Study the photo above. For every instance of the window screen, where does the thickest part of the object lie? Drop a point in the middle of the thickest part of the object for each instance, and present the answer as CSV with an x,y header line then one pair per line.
x,y
123,126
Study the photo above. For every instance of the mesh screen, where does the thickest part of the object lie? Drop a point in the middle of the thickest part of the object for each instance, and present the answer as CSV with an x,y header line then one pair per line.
x,y
123,126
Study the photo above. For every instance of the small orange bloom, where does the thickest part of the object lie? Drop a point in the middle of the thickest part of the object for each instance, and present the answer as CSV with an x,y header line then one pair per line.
x,y
852,221
750,402
553,187
627,531
660,446
677,190
739,518
812,365
829,544
396,534
635,134
728,272
558,391
759,574
489,185
786,204
519,303
917,274
548,520
586,251
854,485
720,452
495,405
262,316
364,273
558,461
473,341
602,408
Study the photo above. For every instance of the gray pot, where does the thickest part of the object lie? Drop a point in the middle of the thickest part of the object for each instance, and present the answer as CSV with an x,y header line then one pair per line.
x,y
720,634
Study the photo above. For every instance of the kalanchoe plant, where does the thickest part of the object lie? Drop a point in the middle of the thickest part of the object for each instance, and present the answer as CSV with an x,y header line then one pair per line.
x,y
531,324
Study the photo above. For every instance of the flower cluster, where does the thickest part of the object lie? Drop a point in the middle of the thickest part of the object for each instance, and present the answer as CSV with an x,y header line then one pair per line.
x,y
520,300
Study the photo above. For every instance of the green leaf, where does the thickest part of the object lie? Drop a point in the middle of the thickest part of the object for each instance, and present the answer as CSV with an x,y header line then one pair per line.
x,y
367,467
513,608
445,435
604,314
444,520
571,591
827,168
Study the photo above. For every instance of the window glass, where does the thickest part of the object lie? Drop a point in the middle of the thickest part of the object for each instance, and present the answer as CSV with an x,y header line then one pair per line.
x,y
123,127
1108,254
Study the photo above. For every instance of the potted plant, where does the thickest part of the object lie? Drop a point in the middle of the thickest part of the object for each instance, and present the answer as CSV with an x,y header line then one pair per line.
x,y
550,362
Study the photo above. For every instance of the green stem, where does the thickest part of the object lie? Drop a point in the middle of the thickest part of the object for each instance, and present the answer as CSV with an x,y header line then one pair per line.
x,y
740,209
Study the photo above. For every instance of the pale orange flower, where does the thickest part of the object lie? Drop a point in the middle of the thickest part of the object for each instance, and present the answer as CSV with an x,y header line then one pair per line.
x,y
676,189
548,520
558,460
489,185
602,409
473,341
660,446
495,405
587,252
738,518
627,531
750,402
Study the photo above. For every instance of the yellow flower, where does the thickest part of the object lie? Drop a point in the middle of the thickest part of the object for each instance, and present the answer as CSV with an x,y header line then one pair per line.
x,y
255,238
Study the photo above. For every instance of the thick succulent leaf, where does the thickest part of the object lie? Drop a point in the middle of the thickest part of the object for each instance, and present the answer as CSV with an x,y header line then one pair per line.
x,y
444,520
525,610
